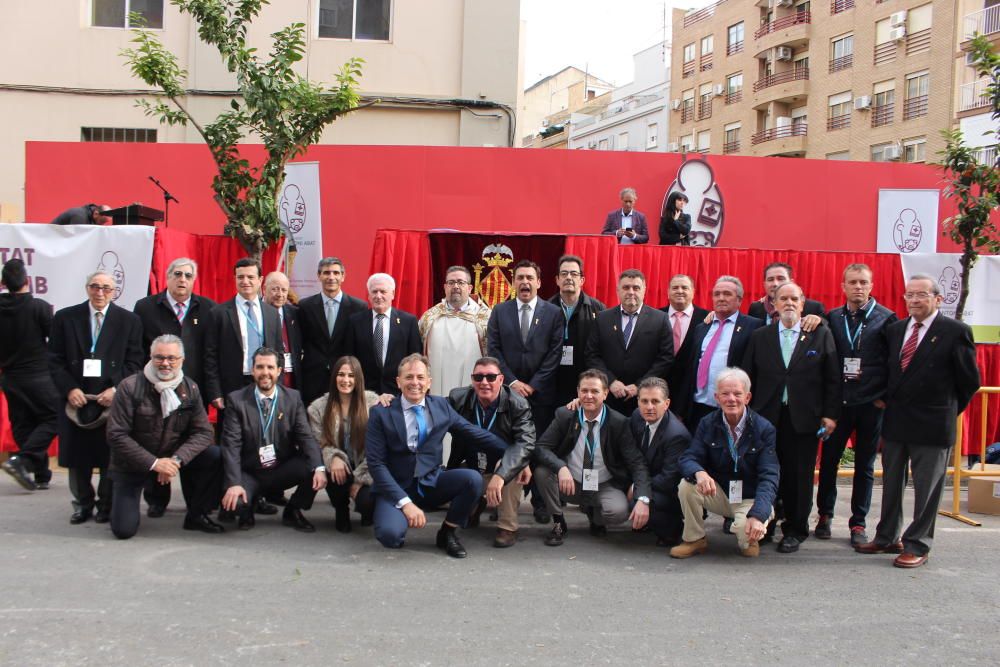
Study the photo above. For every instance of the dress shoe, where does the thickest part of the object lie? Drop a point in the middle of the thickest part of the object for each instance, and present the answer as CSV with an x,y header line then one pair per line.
x,y
494,516
245,521
822,530
155,511
367,521
505,538
858,536
343,521
102,516
789,544
908,560
261,506
558,533
447,539
473,521
727,526
688,549
203,523
226,516
292,516
752,550
598,530
15,467
876,548
542,515
79,516
41,486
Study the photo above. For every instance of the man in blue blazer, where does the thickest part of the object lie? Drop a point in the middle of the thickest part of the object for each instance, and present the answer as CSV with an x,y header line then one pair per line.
x,y
627,224
404,451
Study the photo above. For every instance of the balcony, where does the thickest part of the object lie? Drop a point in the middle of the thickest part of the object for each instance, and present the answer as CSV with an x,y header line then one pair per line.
x,y
882,115
783,132
985,22
985,154
844,62
798,74
693,17
705,108
838,6
731,147
915,107
885,53
734,48
687,69
734,96
974,95
918,42
687,113
838,122
705,63
787,140
785,22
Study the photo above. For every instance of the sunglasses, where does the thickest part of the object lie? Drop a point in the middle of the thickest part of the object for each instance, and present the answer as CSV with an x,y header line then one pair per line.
x,y
183,274
489,377
94,287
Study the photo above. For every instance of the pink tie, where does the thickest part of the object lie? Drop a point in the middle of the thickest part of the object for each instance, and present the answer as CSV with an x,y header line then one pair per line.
x,y
180,312
678,334
706,358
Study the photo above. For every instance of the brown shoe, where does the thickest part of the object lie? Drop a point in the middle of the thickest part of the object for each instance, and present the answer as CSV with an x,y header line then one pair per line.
x,y
688,549
876,548
505,538
909,560
752,550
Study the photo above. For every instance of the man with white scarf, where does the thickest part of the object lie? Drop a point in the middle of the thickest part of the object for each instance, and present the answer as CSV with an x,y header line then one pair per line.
x,y
158,428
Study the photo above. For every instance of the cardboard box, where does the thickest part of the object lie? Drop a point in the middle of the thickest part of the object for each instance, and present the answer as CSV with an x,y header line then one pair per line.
x,y
984,495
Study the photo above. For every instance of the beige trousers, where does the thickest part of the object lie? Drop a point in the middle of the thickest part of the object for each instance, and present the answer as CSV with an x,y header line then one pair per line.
x,y
693,502
510,501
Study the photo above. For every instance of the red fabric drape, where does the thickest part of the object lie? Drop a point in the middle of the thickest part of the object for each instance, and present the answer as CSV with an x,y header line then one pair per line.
x,y
406,256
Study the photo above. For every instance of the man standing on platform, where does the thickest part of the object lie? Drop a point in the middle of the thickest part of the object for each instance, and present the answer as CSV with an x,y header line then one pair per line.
x,y
580,313
276,288
932,377
777,274
859,332
630,343
796,384
180,312
323,319
627,224
454,332
684,317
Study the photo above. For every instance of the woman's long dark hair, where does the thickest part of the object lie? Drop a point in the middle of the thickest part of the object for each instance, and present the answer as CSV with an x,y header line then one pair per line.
x,y
672,203
357,413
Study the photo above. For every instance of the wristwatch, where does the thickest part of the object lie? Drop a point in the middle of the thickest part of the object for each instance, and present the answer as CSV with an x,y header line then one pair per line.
x,y
176,459
643,499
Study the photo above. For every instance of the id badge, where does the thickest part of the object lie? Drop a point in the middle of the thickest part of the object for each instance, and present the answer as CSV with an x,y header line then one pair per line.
x,y
91,368
735,492
481,458
267,456
852,368
589,480
288,362
567,356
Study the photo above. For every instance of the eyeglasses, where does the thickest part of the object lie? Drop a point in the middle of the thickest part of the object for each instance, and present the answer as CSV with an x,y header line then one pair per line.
x,y
913,296
159,358
570,274
456,283
94,287
183,274
489,377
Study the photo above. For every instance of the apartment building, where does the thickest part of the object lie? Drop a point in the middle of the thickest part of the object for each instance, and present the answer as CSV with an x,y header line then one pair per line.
x,y
448,72
973,111
835,79
548,103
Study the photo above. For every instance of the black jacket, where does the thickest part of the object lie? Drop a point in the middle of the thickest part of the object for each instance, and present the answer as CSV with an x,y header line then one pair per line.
x,y
404,339
669,442
224,354
159,318
25,323
811,307
513,425
675,232
650,352
575,335
319,348
870,347
681,378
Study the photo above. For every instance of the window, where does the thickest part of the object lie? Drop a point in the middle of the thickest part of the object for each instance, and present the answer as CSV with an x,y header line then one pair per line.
x,y
917,87
651,131
883,102
355,19
913,149
883,152
885,47
839,111
841,53
734,88
707,44
732,141
602,145
120,134
687,105
689,53
687,142
799,117
802,7
802,64
842,155
115,13
705,101
734,42
623,141
704,141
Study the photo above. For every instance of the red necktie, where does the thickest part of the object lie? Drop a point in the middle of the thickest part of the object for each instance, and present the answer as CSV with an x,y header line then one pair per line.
x,y
910,347
678,338
287,375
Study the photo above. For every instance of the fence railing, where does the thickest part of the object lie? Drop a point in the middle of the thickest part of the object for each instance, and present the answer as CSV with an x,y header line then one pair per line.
x,y
782,23
798,74
783,132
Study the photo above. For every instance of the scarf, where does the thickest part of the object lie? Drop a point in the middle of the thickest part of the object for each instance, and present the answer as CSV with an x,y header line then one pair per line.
x,y
165,388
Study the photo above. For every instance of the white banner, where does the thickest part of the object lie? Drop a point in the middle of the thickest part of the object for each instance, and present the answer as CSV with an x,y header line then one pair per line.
x,y
301,219
59,258
907,221
982,308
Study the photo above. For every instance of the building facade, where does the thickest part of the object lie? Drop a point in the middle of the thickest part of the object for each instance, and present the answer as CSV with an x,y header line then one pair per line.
x,y
973,111
548,103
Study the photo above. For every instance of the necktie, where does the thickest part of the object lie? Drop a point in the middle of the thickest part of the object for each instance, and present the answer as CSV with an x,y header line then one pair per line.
x,y
525,321
787,347
98,317
379,338
678,330
418,412
645,439
910,348
265,407
286,375
627,331
706,358
253,335
331,316
588,459
180,312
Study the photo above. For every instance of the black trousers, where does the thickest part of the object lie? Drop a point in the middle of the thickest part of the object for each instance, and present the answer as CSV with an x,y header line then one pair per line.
x,y
32,404
159,494
82,489
797,460
665,517
296,471
866,421
698,412
340,497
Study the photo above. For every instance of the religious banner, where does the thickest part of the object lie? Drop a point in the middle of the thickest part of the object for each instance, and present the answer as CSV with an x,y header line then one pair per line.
x,y
982,308
302,223
58,259
907,221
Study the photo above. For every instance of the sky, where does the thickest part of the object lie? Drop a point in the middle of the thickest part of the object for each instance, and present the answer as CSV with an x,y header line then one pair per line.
x,y
596,35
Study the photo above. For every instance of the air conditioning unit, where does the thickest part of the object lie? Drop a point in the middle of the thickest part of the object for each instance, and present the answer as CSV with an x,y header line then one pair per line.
x,y
675,105
970,59
720,90
616,108
784,3
892,152
783,121
896,34
673,147
783,53
862,103
591,145
897,19
545,122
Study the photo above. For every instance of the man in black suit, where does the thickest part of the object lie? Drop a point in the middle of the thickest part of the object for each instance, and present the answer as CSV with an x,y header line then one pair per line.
x,y
796,387
777,274
268,446
932,377
92,347
662,440
707,359
587,456
276,287
630,342
178,311
323,320
859,332
684,317
382,336
580,313
627,224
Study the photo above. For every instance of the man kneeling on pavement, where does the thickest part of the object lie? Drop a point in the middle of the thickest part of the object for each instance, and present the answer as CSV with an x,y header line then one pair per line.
x,y
731,468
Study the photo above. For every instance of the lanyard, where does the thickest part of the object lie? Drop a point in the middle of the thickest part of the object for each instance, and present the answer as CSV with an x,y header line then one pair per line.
x,y
253,324
265,428
479,419
732,447
568,313
592,445
851,340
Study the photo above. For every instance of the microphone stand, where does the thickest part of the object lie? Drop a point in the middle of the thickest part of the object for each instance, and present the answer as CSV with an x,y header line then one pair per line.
x,y
166,201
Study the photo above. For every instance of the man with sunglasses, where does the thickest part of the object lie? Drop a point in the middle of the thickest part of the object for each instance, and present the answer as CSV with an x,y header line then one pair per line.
x,y
487,403
92,347
177,311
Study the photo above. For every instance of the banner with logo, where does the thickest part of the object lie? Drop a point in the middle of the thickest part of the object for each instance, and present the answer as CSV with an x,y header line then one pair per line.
x,y
59,258
302,222
908,221
982,308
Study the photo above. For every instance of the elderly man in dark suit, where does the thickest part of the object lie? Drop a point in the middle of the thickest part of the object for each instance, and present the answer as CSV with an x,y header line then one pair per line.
x,y
92,347
684,318
268,446
932,377
323,320
382,336
276,288
404,452
627,224
180,312
662,439
777,274
630,342
797,387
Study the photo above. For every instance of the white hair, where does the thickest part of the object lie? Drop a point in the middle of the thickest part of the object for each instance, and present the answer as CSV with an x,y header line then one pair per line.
x,y
380,278
733,373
